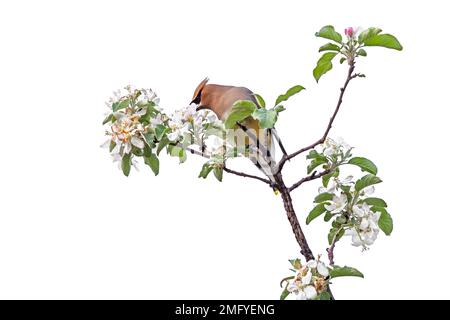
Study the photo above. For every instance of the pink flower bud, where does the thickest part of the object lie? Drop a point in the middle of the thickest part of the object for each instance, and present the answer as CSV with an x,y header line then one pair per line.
x,y
349,32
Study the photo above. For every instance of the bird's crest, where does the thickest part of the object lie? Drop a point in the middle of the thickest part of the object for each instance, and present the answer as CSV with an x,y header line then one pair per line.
x,y
198,91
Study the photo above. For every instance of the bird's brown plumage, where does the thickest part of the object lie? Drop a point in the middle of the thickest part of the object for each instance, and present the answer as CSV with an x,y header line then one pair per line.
x,y
220,100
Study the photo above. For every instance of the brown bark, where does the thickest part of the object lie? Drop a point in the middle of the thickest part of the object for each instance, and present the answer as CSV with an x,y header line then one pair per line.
x,y
293,220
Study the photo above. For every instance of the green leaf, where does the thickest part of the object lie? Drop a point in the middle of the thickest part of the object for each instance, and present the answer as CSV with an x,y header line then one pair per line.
x,y
206,169
145,119
323,65
377,202
328,32
260,100
120,105
368,33
335,234
364,164
316,212
292,91
182,155
218,173
345,272
126,164
327,216
341,61
384,40
341,219
296,263
149,139
136,151
313,154
241,110
326,178
112,145
330,47
284,294
366,181
147,151
315,163
324,296
362,53
164,142
176,151
153,162
160,130
335,224
323,197
108,119
385,221
266,118
279,108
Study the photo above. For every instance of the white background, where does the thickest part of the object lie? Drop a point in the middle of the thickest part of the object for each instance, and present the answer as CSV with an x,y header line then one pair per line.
x,y
72,226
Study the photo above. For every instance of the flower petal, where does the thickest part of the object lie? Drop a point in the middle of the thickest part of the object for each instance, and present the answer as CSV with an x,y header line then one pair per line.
x,y
307,278
292,287
300,296
322,269
106,144
137,142
310,292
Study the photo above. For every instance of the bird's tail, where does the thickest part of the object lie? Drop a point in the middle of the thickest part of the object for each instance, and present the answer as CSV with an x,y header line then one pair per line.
x,y
262,151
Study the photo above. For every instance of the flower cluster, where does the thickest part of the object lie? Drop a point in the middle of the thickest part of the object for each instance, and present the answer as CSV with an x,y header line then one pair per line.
x,y
365,229
356,217
310,280
337,151
330,154
137,126
132,120
348,202
197,128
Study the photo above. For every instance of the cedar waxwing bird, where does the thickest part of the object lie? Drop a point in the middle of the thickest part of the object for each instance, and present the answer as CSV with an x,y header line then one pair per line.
x,y
220,100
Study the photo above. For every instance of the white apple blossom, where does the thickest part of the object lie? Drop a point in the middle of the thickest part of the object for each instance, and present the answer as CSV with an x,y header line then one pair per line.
x,y
338,203
367,191
310,279
334,147
331,188
310,292
116,157
348,181
365,231
146,96
178,129
127,129
300,295
361,211
204,130
156,120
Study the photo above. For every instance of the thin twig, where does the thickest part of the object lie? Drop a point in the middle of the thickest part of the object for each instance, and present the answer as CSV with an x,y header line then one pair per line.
x,y
330,251
241,174
350,76
245,175
313,176
193,151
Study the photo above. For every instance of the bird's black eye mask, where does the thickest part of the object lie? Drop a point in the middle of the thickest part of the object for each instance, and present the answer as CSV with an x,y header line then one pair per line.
x,y
197,99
